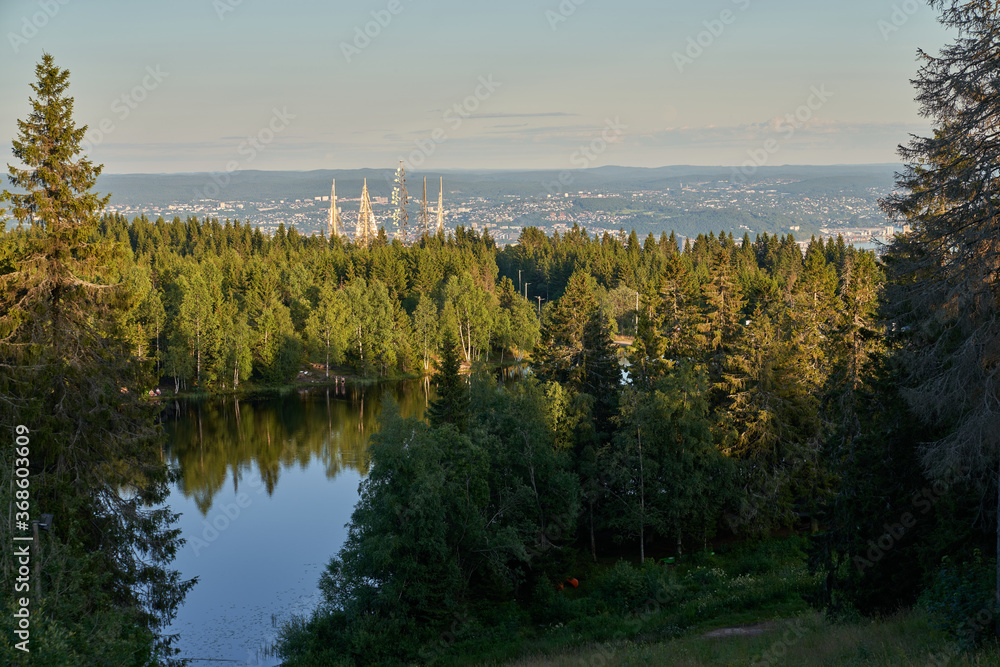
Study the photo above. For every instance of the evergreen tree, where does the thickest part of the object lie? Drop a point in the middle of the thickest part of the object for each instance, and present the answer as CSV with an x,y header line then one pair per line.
x,y
70,378
560,347
452,403
946,285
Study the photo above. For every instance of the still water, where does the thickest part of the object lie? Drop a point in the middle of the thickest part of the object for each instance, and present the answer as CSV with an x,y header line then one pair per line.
x,y
266,489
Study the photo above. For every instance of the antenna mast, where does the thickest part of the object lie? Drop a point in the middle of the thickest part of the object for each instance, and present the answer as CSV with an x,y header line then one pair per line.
x,y
440,211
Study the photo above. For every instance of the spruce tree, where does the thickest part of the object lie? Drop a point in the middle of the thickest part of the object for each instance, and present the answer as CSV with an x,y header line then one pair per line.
x,y
946,272
69,377
452,403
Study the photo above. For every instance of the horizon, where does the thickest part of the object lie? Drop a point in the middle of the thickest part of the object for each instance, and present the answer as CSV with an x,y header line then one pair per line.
x,y
466,170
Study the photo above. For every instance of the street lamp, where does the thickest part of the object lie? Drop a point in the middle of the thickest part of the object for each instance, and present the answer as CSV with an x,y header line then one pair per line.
x,y
45,523
526,291
637,314
539,305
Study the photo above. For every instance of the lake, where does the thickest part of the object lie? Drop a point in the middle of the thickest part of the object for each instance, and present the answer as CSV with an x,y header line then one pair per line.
x,y
267,487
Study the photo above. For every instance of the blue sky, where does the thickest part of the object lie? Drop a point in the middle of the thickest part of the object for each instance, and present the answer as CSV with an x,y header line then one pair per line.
x,y
208,85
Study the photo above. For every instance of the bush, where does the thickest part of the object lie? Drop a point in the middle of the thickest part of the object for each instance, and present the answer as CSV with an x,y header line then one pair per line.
x,y
623,587
960,601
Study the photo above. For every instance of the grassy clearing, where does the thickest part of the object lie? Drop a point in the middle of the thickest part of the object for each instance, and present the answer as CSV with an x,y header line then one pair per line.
x,y
808,639
622,605
743,607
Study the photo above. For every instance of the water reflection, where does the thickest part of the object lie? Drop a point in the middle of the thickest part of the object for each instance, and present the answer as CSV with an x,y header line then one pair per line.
x,y
218,440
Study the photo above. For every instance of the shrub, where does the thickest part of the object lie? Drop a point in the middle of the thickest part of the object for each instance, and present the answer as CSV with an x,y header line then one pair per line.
x,y
960,600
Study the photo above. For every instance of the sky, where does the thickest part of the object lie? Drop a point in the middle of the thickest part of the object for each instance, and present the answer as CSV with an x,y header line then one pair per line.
x,y
215,85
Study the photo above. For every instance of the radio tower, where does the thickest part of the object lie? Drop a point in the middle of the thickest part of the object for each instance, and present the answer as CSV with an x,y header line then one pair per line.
x,y
423,208
400,200
440,211
334,226
366,232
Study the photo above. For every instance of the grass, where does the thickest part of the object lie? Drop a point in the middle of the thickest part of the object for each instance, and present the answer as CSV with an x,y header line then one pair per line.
x,y
807,639
665,615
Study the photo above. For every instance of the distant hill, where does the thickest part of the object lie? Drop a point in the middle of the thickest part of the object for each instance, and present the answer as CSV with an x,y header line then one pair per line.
x,y
256,186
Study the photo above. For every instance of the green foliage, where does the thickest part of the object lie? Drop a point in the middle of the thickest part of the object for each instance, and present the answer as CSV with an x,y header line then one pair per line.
x,y
452,403
960,600
69,378
667,475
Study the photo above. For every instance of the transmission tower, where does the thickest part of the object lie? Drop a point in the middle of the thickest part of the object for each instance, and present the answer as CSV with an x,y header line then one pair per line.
x,y
400,201
440,211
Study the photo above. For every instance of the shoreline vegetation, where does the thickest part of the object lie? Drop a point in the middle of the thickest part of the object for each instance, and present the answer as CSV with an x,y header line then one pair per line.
x,y
316,378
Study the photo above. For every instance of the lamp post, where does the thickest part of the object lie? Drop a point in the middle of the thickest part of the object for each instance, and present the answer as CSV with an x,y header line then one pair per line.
x,y
45,523
526,291
637,314
539,306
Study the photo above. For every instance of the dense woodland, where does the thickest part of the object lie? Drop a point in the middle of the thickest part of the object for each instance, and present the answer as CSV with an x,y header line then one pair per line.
x,y
220,304
746,404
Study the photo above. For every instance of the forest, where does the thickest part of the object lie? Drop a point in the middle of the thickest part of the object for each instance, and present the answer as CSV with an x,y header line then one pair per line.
x,y
751,393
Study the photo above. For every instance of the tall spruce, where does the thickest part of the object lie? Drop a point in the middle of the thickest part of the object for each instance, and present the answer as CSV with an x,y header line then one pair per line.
x,y
68,374
946,272
452,403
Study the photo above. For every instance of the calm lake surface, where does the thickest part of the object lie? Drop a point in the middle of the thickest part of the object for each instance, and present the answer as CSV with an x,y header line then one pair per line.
x,y
267,487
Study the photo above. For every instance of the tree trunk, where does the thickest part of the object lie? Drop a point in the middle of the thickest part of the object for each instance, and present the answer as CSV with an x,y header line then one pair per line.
x,y
157,352
593,544
642,504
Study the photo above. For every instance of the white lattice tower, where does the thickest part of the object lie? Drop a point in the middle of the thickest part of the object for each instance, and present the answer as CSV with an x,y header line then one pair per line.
x,y
440,211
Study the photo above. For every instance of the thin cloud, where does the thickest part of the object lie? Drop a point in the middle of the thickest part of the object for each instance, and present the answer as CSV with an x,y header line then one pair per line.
x,y
547,114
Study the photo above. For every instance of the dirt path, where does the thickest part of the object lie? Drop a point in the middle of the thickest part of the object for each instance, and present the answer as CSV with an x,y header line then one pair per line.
x,y
743,630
